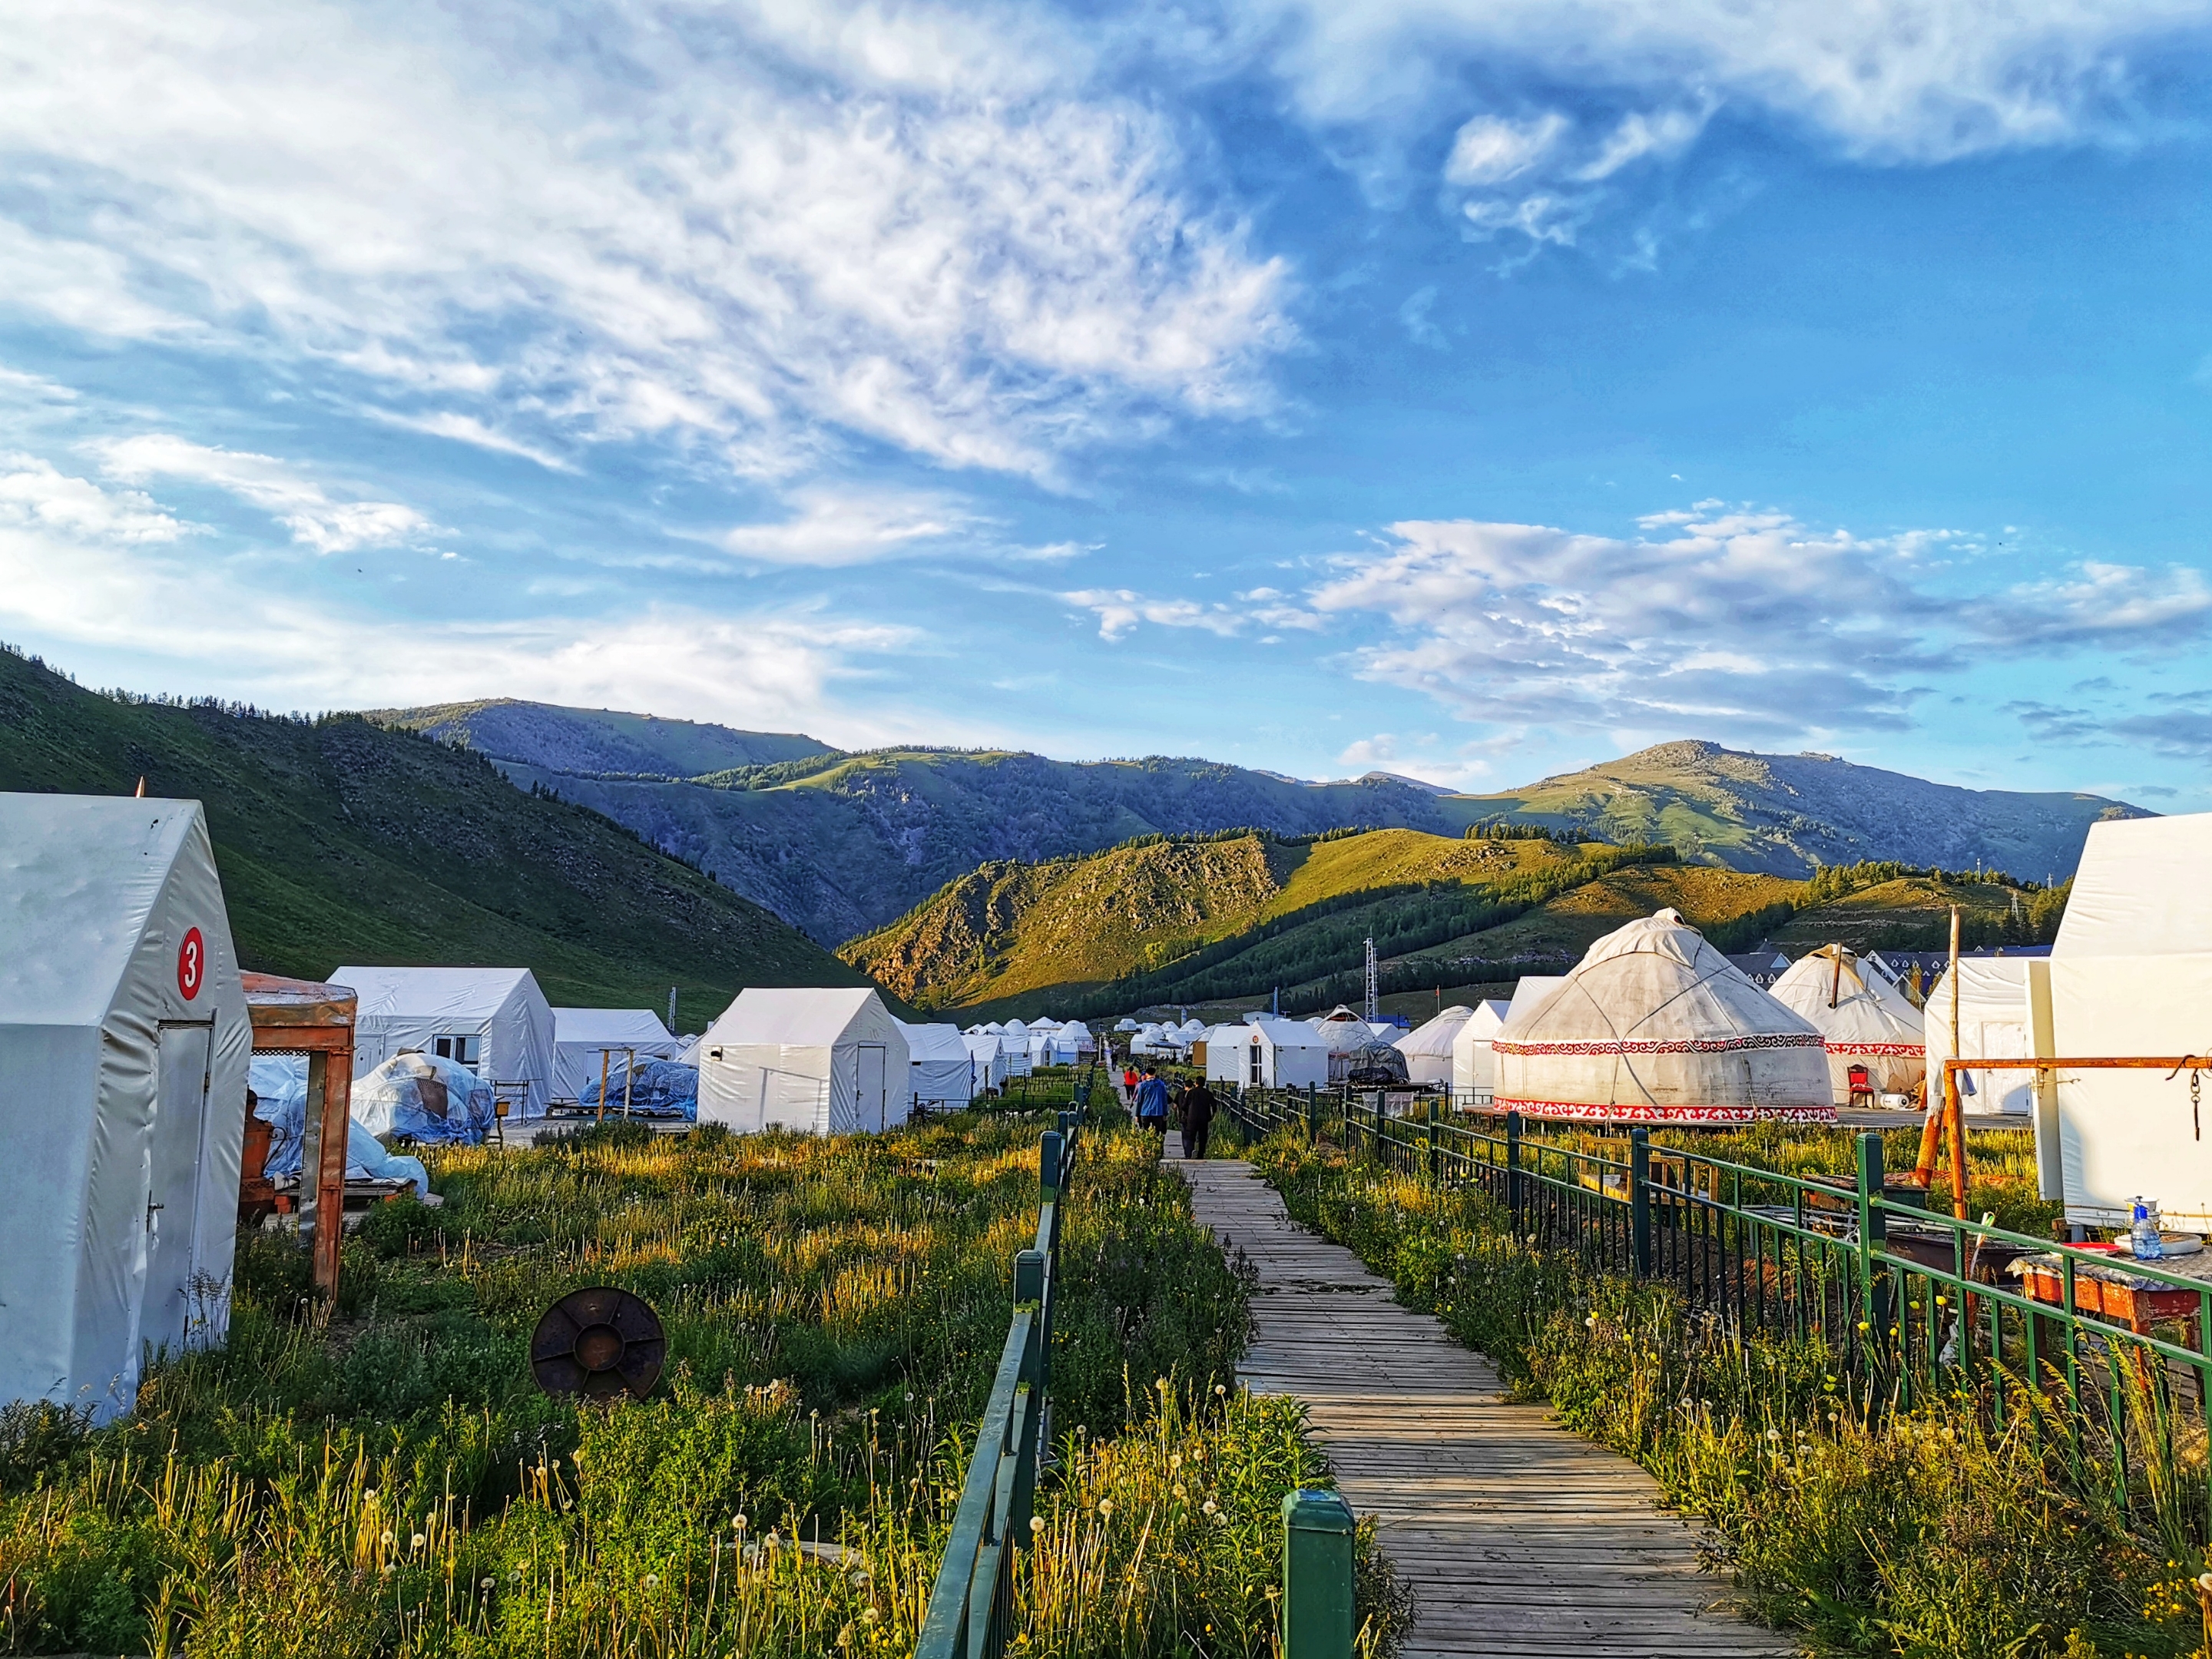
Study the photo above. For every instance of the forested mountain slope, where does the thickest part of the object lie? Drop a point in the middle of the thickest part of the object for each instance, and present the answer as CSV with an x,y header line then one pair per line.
x,y
342,841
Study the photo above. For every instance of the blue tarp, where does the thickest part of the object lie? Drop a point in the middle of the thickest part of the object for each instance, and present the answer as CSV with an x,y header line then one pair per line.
x,y
661,1088
423,1096
279,1083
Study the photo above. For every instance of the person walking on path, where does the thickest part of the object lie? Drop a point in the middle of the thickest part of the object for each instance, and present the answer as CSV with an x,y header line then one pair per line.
x,y
1152,1103
1198,1104
1130,1086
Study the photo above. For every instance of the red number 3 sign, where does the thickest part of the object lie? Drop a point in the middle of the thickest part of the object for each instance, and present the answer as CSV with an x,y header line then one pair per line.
x,y
191,963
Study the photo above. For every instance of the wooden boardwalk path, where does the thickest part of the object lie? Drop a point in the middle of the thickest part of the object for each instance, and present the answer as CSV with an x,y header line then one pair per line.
x,y
1519,1537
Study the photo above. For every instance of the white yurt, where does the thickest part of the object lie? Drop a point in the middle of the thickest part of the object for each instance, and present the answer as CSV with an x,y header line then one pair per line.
x,y
2130,975
987,1062
1992,1017
1474,1072
1863,1019
1125,1025
494,1021
1266,1054
125,1046
1343,1036
826,1060
584,1037
1428,1047
1656,1026
938,1070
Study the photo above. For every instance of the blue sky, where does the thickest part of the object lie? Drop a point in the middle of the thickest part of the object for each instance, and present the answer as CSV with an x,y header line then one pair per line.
x,y
1474,390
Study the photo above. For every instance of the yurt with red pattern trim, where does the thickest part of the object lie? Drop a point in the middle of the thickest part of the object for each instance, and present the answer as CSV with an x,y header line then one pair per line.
x,y
1655,1026
1864,1020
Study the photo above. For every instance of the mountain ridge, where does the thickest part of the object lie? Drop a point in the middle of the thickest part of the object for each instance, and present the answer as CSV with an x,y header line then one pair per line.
x,y
840,842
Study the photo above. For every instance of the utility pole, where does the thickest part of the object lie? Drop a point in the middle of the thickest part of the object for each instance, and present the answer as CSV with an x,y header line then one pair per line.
x,y
1374,1009
671,1011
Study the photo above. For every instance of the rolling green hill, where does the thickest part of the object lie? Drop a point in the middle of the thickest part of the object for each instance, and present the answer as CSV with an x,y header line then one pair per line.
x,y
1187,920
342,841
1193,921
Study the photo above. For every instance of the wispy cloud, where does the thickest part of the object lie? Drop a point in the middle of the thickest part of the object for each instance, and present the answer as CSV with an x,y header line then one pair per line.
x,y
277,487
834,526
84,566
751,228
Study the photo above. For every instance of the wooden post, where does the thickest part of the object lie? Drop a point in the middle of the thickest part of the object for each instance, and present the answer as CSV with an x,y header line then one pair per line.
x,y
604,1054
629,1076
1953,1107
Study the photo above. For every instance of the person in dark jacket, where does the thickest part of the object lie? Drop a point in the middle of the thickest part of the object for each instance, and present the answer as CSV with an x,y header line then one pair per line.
x,y
1198,1104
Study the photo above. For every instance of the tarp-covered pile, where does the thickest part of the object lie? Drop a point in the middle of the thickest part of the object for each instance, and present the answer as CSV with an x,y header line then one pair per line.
x,y
658,1088
280,1088
588,1043
1656,1026
494,1020
425,1098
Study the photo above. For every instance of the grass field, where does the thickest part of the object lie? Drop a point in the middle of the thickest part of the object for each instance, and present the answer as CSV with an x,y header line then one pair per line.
x,y
383,1479
1937,1531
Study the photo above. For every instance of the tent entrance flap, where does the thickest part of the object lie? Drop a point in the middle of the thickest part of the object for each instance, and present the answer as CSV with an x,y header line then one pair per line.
x,y
181,1133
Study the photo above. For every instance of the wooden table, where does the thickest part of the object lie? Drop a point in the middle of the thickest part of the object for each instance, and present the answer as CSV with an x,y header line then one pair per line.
x,y
2114,1293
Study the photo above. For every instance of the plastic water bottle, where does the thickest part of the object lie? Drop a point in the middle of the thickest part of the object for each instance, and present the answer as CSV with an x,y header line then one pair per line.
x,y
2148,1246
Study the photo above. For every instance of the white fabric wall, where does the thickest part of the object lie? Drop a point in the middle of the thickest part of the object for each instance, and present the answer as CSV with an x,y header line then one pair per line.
x,y
1473,1069
1428,1047
987,1065
798,1059
2131,974
122,1091
939,1070
1993,1025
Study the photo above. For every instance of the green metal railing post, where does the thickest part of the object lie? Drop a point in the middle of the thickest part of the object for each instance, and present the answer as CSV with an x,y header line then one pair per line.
x,y
1513,1169
1640,1200
1313,1115
1029,1293
1874,1236
1317,1604
1435,1157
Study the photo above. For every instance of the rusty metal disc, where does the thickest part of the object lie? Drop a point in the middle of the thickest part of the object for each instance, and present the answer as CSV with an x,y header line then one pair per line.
x,y
598,1343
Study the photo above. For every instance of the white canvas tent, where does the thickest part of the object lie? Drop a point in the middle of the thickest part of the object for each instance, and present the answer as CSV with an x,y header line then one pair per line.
x,y
583,1037
494,1021
1655,1025
2130,975
1863,1019
823,1062
1473,1069
986,1063
1428,1047
124,1047
1266,1054
939,1070
1993,1025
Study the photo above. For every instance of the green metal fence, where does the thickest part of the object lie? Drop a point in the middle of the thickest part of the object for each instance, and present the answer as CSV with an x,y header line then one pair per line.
x,y
970,1604
1913,1301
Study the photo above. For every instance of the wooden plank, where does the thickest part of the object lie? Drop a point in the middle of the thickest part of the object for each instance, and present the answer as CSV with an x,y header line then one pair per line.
x,y
1517,1536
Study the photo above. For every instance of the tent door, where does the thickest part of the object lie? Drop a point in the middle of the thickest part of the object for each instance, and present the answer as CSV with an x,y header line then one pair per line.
x,y
180,1132
870,1085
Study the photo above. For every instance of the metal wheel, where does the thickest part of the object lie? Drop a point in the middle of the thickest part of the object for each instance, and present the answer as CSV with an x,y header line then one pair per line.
x,y
598,1343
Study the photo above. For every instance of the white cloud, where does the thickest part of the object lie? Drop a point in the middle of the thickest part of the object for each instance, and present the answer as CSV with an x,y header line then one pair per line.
x,y
1662,133
80,570
1881,81
468,429
854,526
34,496
738,227
1742,621
296,501
1121,609
1493,150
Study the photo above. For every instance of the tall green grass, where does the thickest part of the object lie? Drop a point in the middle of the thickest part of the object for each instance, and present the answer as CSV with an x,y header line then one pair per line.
x,y
1868,1529
382,1477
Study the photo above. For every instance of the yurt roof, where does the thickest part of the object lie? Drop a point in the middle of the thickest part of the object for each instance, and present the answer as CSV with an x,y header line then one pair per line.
x,y
1658,981
1869,1015
1530,992
1337,1013
1434,1037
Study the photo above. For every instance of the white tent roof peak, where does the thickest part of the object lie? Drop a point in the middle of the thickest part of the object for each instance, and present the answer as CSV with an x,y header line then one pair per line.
x,y
615,1026
799,1017
2141,890
933,1042
461,991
